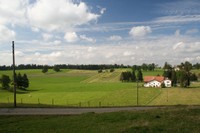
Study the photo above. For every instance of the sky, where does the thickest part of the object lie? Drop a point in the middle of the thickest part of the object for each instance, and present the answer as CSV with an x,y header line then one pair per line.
x,y
125,32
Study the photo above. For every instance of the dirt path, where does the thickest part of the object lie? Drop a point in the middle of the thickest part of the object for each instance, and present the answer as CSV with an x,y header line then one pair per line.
x,y
65,111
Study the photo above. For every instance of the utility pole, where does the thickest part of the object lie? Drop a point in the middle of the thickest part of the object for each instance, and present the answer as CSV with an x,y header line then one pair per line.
x,y
137,94
14,80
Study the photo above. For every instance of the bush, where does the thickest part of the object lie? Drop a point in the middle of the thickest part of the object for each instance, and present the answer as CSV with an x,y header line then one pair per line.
x,y
100,71
112,70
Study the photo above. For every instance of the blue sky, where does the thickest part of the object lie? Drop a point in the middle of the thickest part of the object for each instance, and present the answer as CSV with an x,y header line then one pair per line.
x,y
100,31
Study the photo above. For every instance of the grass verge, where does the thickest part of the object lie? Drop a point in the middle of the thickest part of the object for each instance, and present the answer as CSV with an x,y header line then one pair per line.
x,y
173,119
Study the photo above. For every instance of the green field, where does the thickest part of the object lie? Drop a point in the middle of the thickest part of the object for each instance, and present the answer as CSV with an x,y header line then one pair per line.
x,y
173,119
84,88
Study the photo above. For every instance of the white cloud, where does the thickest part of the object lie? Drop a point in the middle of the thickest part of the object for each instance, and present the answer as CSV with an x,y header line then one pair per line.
x,y
140,31
128,53
103,10
180,7
19,53
55,54
115,38
57,42
6,34
37,54
71,37
158,50
13,11
178,19
91,49
59,15
178,45
34,29
46,36
192,31
177,33
89,39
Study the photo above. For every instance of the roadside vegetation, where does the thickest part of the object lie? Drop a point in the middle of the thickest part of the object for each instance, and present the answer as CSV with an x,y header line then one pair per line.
x,y
177,119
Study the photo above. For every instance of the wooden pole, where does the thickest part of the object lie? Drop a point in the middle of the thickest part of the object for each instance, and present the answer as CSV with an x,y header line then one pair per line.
x,y
14,80
137,95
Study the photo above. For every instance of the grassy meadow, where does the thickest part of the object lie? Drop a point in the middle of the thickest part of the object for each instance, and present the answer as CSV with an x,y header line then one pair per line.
x,y
85,88
173,119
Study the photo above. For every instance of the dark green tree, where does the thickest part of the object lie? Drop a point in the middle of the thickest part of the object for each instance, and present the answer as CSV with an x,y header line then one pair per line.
x,y
25,81
22,82
45,69
174,78
5,81
19,81
151,67
122,77
182,78
144,67
139,76
126,77
167,66
56,68
193,77
167,73
185,74
187,66
133,77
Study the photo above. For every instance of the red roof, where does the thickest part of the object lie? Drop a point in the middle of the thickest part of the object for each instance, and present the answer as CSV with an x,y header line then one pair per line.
x,y
151,78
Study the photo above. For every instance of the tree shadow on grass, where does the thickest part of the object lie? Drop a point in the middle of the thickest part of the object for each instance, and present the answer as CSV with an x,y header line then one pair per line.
x,y
19,91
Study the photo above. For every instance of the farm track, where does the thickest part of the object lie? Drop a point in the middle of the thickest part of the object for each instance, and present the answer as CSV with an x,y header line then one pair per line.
x,y
67,111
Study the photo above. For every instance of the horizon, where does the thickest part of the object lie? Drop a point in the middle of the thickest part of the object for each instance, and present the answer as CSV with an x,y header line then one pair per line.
x,y
129,32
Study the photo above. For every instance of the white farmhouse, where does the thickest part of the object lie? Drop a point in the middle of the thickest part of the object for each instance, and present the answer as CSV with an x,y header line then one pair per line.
x,y
156,81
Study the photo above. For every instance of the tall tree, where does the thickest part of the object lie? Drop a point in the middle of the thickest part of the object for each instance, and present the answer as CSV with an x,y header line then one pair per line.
x,y
19,81
25,82
139,75
186,67
167,66
133,77
5,81
174,78
182,78
144,66
167,73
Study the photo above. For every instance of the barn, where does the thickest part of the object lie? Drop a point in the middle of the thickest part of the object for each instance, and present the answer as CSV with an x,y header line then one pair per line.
x,y
156,81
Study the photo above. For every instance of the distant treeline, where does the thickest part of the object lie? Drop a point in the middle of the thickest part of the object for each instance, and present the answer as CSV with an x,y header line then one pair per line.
x,y
144,66
65,66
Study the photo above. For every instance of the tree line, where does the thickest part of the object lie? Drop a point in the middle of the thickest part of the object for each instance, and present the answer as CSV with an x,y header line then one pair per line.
x,y
180,74
129,76
65,66
144,66
21,82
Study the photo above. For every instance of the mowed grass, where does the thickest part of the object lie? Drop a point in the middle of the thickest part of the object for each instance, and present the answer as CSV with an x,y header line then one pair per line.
x,y
84,88
174,119
178,96
80,88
